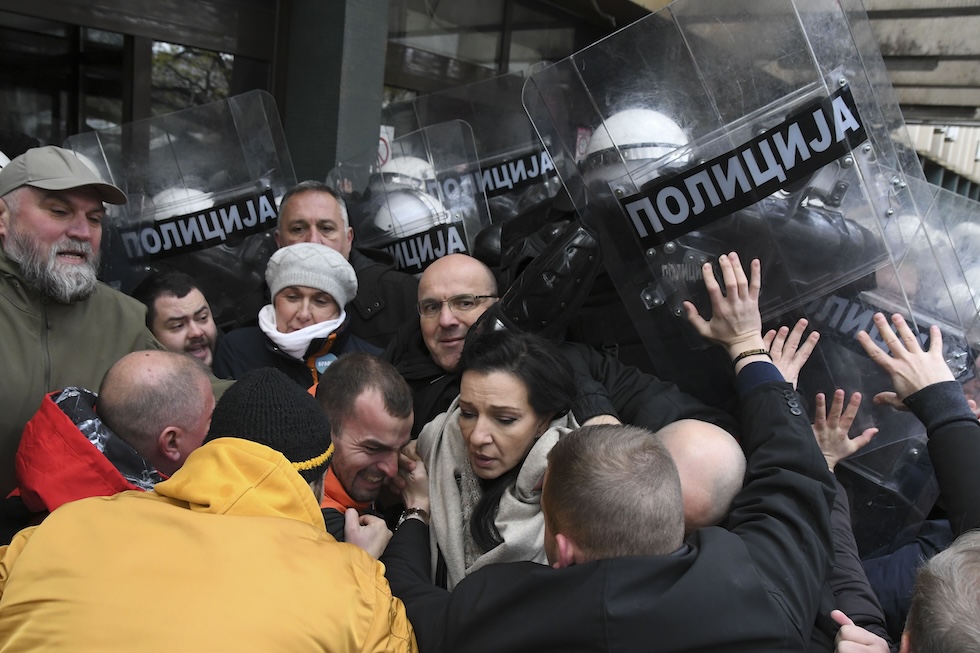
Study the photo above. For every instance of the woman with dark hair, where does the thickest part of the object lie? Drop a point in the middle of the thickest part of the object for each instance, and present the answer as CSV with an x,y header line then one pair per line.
x,y
487,455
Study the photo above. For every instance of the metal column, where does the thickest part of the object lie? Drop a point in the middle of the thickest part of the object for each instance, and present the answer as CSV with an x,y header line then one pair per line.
x,y
334,81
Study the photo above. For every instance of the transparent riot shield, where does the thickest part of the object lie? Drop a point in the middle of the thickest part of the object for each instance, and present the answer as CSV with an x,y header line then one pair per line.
x,y
767,128
951,225
712,126
516,171
203,186
419,199
726,125
890,481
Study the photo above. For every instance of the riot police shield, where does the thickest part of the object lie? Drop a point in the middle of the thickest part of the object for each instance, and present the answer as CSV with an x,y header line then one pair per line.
x,y
703,136
890,481
203,185
950,224
516,171
767,128
418,198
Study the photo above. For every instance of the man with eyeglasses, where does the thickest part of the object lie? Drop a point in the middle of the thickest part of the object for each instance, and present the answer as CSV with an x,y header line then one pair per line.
x,y
451,298
454,291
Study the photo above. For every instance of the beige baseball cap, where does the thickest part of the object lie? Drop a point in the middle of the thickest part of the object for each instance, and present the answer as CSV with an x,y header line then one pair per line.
x,y
53,168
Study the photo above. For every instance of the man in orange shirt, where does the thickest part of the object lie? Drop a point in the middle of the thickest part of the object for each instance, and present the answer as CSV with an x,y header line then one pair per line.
x,y
369,406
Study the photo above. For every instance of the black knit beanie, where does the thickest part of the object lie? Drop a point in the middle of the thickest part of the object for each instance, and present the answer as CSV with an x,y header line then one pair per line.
x,y
267,407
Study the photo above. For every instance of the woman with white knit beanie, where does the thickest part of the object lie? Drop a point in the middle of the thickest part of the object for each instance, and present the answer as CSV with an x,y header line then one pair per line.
x,y
305,327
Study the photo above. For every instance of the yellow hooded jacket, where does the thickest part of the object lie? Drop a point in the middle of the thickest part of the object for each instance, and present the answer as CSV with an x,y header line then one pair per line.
x,y
230,554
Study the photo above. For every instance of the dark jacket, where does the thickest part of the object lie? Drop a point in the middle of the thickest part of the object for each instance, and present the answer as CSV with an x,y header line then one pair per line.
x,y
954,447
848,588
753,587
664,350
385,300
433,389
605,387
249,348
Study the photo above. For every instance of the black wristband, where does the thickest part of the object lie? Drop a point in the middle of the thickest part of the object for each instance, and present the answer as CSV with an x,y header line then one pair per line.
x,y
751,352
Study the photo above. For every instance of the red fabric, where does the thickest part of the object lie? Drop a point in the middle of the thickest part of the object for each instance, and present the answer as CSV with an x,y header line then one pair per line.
x,y
56,463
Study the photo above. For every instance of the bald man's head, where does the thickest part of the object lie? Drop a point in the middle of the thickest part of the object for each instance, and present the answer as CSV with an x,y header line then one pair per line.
x,y
158,402
451,277
711,466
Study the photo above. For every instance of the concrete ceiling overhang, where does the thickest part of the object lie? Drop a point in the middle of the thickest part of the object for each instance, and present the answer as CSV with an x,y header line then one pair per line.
x,y
931,49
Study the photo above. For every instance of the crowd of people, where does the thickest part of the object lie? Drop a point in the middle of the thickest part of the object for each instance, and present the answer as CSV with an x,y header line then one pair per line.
x,y
380,463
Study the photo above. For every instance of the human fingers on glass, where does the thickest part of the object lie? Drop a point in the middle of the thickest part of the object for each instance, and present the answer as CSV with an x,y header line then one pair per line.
x,y
457,304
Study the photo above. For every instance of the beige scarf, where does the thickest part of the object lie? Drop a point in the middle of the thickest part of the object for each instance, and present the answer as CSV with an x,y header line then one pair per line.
x,y
454,491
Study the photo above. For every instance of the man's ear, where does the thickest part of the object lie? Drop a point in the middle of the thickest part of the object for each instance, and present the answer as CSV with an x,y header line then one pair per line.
x,y
4,219
275,235
568,552
906,645
168,443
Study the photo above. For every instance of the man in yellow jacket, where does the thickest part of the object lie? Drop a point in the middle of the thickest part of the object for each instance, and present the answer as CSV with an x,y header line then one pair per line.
x,y
229,554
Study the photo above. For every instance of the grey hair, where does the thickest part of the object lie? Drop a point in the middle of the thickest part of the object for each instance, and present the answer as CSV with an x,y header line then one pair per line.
x,y
313,186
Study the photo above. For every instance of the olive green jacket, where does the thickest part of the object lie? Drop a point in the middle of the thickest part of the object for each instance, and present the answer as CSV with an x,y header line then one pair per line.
x,y
46,346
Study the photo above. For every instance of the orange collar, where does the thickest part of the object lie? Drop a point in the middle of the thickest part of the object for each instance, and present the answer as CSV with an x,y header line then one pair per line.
x,y
335,496
311,360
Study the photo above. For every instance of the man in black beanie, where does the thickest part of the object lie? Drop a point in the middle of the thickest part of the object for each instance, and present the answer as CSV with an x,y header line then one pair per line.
x,y
283,417
266,407
233,546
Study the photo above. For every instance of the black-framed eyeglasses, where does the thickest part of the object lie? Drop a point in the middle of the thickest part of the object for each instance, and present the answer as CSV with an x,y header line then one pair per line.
x,y
429,308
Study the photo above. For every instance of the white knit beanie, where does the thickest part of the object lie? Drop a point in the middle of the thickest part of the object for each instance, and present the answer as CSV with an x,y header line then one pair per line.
x,y
314,266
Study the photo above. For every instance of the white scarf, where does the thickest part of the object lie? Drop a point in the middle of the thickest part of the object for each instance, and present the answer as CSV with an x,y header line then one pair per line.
x,y
519,519
296,343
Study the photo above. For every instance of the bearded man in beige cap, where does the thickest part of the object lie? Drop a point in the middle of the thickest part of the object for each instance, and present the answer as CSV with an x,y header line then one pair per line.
x,y
59,326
